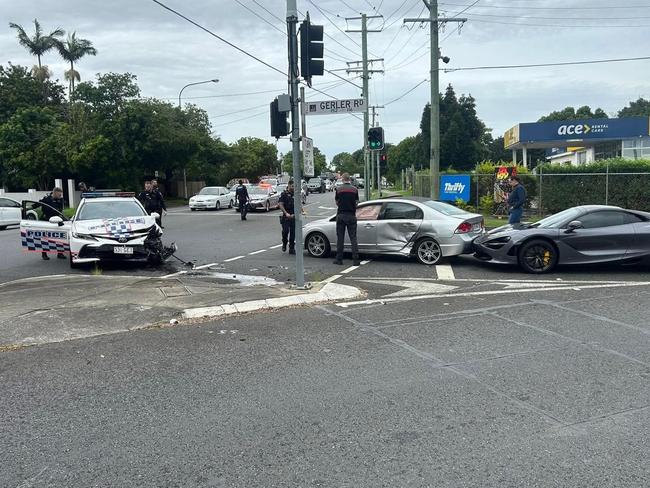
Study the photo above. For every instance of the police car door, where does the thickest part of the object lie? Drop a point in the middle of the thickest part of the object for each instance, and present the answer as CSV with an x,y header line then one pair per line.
x,y
41,235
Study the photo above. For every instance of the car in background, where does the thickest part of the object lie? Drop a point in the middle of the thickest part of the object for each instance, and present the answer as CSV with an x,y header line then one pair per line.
x,y
10,212
261,198
360,183
273,182
338,183
586,234
212,198
316,184
409,226
303,193
329,185
107,226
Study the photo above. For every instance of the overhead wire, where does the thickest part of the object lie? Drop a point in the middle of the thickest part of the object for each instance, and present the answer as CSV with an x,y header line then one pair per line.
x,y
260,17
407,92
243,51
530,7
537,65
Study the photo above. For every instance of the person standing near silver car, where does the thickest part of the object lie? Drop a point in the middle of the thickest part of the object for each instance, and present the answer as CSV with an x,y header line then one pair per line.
x,y
347,197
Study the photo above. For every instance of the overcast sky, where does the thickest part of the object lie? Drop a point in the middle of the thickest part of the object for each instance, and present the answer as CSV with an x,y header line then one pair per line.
x,y
166,52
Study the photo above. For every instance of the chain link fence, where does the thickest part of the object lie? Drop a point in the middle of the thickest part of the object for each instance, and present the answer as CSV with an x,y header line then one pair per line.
x,y
551,193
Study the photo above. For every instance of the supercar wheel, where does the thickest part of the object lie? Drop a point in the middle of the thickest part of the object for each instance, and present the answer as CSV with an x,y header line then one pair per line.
x,y
538,256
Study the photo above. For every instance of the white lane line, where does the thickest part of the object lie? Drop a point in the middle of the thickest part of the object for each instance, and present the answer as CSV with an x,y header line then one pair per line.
x,y
257,252
445,272
332,278
206,266
233,259
275,247
349,270
174,274
365,262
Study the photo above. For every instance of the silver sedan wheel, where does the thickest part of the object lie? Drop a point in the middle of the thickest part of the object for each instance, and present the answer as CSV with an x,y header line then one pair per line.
x,y
317,245
429,252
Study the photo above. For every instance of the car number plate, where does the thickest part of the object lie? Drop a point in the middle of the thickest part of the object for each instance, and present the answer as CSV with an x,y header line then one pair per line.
x,y
123,250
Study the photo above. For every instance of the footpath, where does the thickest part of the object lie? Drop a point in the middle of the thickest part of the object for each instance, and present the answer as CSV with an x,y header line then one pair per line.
x,y
66,307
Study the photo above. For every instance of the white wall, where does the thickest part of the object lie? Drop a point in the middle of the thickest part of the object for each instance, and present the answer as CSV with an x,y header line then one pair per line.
x,y
34,196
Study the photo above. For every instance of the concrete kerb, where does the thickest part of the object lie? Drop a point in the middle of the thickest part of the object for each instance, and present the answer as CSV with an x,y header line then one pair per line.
x,y
330,292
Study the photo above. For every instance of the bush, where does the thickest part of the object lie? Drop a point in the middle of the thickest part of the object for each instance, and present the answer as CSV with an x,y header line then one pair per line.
x,y
486,204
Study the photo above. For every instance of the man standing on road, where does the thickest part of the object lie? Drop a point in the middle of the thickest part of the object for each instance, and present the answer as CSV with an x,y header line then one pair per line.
x,y
516,200
346,198
145,197
158,202
288,219
53,203
241,193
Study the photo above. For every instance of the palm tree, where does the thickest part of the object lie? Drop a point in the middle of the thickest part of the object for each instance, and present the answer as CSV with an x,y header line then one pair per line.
x,y
72,50
37,45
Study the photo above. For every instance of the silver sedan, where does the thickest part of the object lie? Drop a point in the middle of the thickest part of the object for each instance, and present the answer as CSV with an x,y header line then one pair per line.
x,y
408,226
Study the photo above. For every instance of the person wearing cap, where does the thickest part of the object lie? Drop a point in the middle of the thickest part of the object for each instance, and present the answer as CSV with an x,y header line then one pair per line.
x,y
516,200
52,208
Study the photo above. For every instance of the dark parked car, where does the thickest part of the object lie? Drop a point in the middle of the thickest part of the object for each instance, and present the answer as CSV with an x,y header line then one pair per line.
x,y
578,235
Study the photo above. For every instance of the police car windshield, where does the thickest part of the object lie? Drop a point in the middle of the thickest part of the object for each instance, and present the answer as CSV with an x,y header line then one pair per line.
x,y
444,208
258,190
109,210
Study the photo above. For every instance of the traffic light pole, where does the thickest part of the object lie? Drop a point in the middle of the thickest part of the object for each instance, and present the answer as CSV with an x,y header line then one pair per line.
x,y
292,22
364,57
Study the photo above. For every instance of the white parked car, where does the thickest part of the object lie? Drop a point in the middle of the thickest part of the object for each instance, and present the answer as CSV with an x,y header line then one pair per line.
x,y
212,198
11,214
107,226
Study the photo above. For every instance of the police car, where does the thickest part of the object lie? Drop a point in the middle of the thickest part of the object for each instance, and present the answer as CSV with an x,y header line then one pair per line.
x,y
107,226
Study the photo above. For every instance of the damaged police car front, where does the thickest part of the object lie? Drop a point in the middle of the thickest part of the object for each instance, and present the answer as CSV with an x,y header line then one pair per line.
x,y
107,226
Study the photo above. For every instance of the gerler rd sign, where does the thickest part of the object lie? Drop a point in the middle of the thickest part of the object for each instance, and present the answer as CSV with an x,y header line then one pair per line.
x,y
334,107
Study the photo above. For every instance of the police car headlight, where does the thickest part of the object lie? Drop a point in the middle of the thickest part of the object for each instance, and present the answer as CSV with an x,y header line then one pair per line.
x,y
86,237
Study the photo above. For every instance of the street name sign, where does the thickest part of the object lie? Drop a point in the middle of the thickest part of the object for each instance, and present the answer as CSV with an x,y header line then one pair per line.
x,y
334,107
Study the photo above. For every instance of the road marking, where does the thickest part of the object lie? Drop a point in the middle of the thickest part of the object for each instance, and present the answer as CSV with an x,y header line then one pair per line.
x,y
365,262
174,274
445,272
332,278
233,259
275,247
412,288
206,266
327,208
491,292
349,270
257,252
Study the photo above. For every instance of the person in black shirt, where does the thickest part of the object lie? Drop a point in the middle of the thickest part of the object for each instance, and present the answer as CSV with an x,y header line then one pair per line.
x,y
158,202
516,200
347,197
152,201
52,208
288,219
241,193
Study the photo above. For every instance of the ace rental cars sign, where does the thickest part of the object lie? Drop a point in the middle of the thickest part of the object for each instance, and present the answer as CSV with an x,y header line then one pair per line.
x,y
334,107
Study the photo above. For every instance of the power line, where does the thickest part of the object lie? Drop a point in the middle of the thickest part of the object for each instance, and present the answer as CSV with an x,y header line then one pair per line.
x,y
511,66
459,25
407,92
242,119
344,79
397,18
219,37
580,19
600,26
238,111
409,39
260,17
218,96
528,7
334,24
344,3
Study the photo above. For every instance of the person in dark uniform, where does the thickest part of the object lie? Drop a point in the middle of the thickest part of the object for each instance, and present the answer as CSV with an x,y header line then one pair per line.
x,y
288,219
241,193
152,201
516,200
145,197
347,197
158,202
53,203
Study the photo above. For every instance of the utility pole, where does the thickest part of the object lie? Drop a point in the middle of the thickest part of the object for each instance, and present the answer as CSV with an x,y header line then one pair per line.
x,y
434,157
365,75
292,22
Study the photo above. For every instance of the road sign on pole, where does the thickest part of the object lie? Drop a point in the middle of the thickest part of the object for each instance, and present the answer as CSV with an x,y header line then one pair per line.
x,y
308,156
334,107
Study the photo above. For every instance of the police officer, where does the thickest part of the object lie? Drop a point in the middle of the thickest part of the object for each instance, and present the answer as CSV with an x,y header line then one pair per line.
x,y
288,219
145,197
158,202
52,208
241,193
347,197
152,201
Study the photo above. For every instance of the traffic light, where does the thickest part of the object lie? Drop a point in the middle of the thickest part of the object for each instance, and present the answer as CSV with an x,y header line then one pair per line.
x,y
311,51
383,159
375,138
279,123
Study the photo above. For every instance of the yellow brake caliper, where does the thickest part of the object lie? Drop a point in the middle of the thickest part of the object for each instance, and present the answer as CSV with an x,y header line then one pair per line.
x,y
547,257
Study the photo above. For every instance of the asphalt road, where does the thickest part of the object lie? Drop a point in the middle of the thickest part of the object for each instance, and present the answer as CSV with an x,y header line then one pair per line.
x,y
463,374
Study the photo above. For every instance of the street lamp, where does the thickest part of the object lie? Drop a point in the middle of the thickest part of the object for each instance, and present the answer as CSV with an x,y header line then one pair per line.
x,y
192,84
179,106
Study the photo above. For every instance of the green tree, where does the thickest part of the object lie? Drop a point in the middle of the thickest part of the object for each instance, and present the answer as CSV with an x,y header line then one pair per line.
x,y
570,113
641,107
29,153
72,50
38,45
403,156
254,157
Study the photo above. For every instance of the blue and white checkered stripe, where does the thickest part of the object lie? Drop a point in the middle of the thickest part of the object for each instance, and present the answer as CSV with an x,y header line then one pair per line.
x,y
32,243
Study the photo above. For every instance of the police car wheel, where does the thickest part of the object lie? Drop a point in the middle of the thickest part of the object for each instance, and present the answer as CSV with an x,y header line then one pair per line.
x,y
267,207
231,204
74,265
193,209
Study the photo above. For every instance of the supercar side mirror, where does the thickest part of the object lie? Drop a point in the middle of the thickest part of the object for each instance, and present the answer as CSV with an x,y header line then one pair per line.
x,y
573,225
